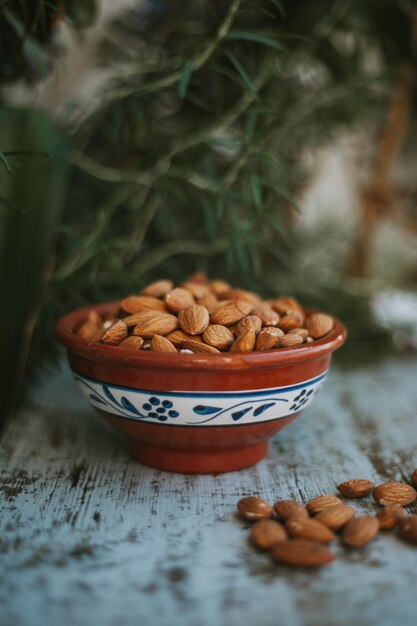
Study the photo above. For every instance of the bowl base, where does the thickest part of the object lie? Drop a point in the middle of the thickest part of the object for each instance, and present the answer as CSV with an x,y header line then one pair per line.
x,y
199,461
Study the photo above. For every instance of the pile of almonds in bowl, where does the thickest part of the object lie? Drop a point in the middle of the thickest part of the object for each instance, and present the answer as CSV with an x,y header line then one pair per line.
x,y
204,316
299,535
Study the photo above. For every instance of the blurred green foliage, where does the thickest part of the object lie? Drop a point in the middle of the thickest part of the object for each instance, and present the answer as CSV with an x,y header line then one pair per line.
x,y
193,156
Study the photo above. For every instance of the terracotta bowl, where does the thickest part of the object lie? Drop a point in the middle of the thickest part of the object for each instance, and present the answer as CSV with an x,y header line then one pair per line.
x,y
193,412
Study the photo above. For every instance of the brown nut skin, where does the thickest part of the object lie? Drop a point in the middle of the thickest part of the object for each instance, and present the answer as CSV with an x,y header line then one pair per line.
x,y
319,324
250,322
359,531
115,334
199,347
286,509
194,319
233,311
178,336
253,508
179,299
356,488
158,289
240,294
290,321
244,343
390,516
218,336
131,343
335,517
302,553
266,341
265,533
408,529
414,478
286,304
320,503
289,341
394,493
137,304
308,528
219,286
162,344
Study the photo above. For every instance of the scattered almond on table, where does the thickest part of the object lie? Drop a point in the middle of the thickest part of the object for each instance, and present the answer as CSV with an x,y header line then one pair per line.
x,y
204,316
298,534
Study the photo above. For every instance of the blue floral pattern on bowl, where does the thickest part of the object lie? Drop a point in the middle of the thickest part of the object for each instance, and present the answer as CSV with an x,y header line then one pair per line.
x,y
182,408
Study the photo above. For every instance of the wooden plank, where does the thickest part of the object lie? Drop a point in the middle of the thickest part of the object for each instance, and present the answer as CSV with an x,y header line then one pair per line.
x,y
90,536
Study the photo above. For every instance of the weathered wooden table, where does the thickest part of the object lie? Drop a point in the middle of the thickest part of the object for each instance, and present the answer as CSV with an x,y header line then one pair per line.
x,y
89,536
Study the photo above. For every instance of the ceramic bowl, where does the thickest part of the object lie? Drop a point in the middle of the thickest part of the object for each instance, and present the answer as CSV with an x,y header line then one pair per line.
x,y
193,412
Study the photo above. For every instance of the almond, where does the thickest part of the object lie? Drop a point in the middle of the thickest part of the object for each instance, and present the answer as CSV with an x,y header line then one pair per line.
x,y
389,516
394,493
336,516
321,502
289,508
218,336
250,322
319,324
137,318
199,347
209,301
302,552
162,344
219,286
240,294
266,533
158,289
285,305
244,343
289,341
137,304
131,343
408,529
231,312
177,337
253,508
196,288
277,332
290,321
115,334
308,528
360,530
198,277
90,331
266,341
303,332
150,323
266,313
356,488
194,320
414,478
179,299
95,318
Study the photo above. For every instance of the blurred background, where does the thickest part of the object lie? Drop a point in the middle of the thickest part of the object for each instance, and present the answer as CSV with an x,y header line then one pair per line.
x,y
269,142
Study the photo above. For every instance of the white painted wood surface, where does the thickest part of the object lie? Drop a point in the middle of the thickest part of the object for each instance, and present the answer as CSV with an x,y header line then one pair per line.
x,y
89,536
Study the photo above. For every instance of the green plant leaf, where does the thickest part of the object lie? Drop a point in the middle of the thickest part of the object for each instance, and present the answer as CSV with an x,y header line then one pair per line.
x,y
5,161
256,191
243,74
255,37
185,79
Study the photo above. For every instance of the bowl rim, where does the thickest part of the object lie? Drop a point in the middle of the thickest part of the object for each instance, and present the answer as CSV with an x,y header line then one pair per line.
x,y
67,324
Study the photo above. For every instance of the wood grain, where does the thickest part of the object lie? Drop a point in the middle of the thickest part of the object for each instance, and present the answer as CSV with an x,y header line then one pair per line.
x,y
89,536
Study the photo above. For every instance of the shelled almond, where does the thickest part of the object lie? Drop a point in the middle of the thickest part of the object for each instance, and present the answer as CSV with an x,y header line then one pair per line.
x,y
210,313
